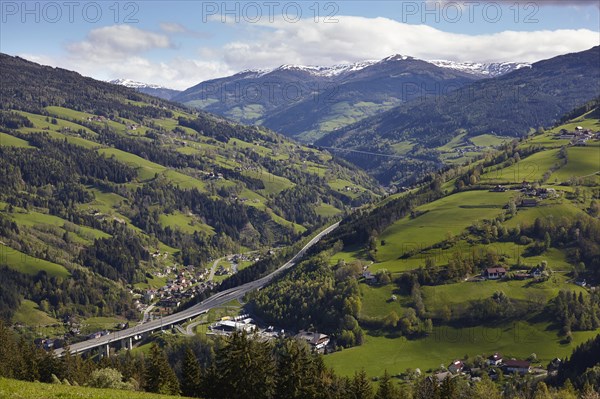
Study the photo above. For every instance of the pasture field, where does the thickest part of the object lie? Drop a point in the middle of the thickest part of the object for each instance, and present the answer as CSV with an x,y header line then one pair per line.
x,y
61,112
75,140
447,216
94,324
547,208
40,122
327,210
32,219
489,140
23,263
6,140
529,169
435,297
186,223
30,314
445,344
146,169
581,161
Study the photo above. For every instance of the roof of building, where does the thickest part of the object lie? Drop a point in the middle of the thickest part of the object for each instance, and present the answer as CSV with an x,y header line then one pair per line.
x,y
524,364
312,337
495,270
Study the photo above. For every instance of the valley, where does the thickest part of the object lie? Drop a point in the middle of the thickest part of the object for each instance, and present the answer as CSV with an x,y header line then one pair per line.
x,y
370,238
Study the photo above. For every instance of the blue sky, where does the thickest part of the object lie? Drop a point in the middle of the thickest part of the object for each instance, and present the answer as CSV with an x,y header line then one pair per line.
x,y
180,43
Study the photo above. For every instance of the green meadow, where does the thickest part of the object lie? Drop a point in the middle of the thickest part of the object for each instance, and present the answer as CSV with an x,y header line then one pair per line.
x,y
440,219
529,169
581,161
445,344
11,141
146,169
23,263
185,223
30,314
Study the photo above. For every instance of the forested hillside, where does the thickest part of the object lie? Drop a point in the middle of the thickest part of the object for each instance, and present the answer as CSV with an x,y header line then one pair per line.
x,y
106,192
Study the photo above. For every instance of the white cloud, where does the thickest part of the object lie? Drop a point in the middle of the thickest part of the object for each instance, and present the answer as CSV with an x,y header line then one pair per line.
x,y
359,38
117,41
118,51
172,27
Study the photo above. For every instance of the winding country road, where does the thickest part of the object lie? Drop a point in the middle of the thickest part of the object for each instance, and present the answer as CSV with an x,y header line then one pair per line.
x,y
219,299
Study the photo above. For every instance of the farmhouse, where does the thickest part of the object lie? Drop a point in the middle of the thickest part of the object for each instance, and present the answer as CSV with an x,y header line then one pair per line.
x,y
529,202
315,340
456,366
494,273
536,272
517,366
495,359
369,277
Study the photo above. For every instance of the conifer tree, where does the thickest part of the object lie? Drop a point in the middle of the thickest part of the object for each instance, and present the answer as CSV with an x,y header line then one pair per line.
x,y
426,388
191,378
296,373
361,386
386,389
160,378
245,368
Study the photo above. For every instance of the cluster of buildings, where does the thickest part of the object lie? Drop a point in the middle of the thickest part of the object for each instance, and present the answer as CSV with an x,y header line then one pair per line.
x,y
579,137
351,189
463,151
184,286
228,325
540,192
214,176
96,118
491,366
497,273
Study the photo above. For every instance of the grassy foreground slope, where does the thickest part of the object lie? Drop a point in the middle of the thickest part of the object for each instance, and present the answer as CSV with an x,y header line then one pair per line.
x,y
13,389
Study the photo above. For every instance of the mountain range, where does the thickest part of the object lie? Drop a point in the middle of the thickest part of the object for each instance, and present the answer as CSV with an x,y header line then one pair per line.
x,y
307,102
395,117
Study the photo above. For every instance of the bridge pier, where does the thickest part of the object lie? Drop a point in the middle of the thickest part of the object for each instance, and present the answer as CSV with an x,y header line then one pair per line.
x,y
127,343
104,350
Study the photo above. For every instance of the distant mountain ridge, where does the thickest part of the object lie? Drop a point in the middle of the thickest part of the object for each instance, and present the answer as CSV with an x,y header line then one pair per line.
x,y
510,105
339,70
151,89
307,102
491,70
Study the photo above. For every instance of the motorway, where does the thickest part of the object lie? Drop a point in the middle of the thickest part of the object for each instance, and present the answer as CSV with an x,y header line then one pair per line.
x,y
216,300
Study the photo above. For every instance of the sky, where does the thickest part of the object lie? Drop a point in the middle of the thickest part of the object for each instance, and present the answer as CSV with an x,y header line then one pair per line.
x,y
178,44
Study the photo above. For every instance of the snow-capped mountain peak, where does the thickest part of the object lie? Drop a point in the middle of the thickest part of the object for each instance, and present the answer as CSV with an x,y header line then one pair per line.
x,y
322,71
397,57
135,85
482,69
